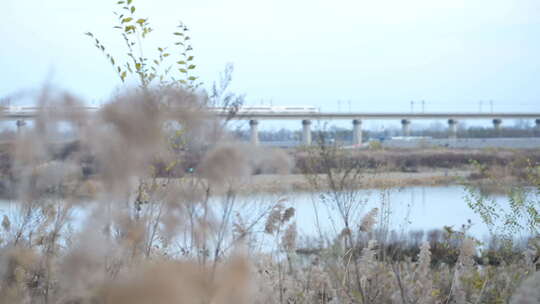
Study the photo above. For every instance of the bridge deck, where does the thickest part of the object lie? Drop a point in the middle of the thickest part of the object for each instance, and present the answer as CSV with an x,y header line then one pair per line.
x,y
364,115
29,113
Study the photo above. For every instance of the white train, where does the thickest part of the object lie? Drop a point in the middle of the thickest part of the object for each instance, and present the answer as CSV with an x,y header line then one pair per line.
x,y
270,109
20,110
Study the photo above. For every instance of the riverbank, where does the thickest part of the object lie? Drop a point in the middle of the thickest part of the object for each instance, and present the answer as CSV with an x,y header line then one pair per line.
x,y
381,168
408,160
276,183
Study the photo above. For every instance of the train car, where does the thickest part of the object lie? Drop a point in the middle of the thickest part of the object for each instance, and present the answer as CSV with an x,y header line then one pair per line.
x,y
295,109
269,109
22,110
19,110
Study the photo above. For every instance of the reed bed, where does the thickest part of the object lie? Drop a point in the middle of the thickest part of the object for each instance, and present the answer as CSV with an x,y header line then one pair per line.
x,y
141,237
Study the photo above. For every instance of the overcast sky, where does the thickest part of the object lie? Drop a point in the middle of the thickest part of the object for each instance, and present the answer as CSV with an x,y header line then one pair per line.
x,y
380,54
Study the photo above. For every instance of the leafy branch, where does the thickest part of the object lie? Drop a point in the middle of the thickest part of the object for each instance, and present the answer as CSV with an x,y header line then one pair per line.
x,y
134,30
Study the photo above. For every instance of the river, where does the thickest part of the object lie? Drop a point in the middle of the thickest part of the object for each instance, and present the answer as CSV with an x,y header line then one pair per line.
x,y
407,209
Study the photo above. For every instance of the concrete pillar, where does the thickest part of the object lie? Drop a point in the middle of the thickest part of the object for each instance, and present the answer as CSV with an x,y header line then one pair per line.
x,y
306,132
497,125
537,127
405,127
254,132
20,125
452,128
357,132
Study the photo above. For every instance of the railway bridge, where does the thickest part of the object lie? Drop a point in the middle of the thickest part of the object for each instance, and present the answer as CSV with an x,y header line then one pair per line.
x,y
307,114
357,118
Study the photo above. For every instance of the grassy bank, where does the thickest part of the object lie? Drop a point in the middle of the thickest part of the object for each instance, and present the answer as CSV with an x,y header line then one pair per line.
x,y
272,183
381,168
416,159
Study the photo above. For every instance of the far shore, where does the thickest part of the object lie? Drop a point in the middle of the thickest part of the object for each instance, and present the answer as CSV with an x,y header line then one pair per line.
x,y
290,183
275,183
286,183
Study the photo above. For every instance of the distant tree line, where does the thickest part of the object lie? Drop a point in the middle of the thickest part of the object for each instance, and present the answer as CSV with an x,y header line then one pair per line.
x,y
340,134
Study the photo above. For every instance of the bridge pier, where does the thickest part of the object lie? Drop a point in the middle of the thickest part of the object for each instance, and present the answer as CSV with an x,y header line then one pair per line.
x,y
20,125
405,127
452,128
254,132
306,132
357,132
537,127
497,125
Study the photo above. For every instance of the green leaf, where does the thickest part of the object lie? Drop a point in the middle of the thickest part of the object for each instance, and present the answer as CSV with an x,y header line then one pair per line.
x,y
123,75
190,58
183,70
89,34
137,66
128,19
181,62
166,55
156,62
191,67
192,78
178,34
160,49
132,9
129,1
120,2
141,21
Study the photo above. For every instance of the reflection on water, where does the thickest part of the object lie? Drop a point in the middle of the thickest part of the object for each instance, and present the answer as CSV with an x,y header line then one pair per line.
x,y
409,208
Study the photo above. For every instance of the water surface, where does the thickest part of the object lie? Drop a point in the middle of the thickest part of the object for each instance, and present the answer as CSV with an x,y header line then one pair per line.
x,y
408,208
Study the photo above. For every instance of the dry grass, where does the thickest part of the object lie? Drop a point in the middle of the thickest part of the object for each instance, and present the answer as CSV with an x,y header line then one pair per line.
x,y
417,159
138,238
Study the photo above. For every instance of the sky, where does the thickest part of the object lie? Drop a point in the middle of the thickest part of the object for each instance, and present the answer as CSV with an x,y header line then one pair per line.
x,y
366,56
